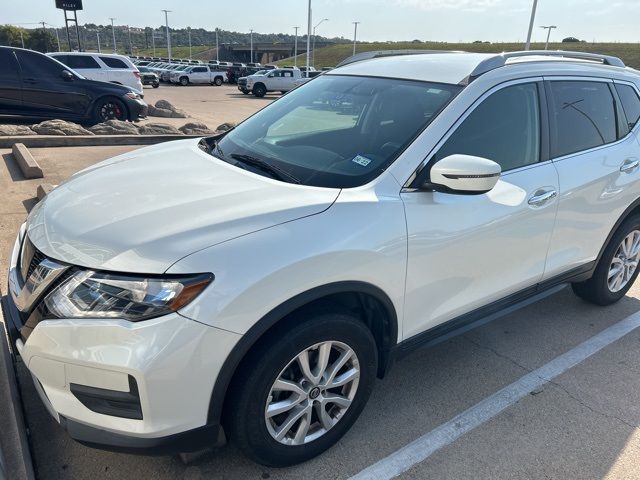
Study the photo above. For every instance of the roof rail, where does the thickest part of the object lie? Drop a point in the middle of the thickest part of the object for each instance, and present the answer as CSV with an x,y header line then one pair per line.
x,y
359,57
500,60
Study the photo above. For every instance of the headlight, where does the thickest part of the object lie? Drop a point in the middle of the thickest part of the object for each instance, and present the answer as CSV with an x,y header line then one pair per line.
x,y
90,294
133,95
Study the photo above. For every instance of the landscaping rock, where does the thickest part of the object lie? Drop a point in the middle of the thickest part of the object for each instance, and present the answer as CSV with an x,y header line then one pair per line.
x,y
15,130
59,127
115,127
195,128
165,109
226,126
158,129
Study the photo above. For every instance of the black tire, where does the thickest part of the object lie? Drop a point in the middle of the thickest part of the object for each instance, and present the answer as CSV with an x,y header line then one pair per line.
x,y
155,84
250,389
109,108
596,290
259,90
246,92
217,81
184,81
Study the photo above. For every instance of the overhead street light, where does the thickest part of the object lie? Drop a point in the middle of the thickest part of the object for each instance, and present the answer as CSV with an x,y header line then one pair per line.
x,y
314,41
166,21
355,35
113,32
549,28
295,48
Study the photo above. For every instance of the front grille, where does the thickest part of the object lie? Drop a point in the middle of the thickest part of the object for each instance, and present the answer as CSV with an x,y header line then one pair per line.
x,y
38,256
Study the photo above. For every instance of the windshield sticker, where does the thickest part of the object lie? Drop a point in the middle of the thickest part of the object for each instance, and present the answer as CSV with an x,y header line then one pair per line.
x,y
360,160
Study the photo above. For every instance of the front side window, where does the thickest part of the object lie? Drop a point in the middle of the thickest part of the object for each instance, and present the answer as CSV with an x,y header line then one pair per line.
x,y
630,103
337,131
583,116
504,128
37,65
114,62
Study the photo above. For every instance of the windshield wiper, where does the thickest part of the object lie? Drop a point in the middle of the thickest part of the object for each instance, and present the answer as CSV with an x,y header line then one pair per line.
x,y
278,173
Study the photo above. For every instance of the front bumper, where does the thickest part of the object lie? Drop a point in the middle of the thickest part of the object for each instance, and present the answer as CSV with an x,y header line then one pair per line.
x,y
84,370
137,108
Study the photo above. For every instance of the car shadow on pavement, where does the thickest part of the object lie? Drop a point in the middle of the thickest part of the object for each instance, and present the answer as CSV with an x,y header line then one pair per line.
x,y
422,391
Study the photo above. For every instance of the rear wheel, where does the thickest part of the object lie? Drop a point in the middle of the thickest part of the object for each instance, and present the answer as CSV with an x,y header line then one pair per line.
x,y
109,108
618,267
155,84
301,390
259,90
218,81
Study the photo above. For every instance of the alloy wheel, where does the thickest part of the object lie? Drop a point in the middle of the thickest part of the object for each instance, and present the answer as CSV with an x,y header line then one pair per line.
x,y
312,393
110,111
625,262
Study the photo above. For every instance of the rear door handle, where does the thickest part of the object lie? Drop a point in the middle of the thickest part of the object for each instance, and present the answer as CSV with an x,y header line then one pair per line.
x,y
629,165
542,197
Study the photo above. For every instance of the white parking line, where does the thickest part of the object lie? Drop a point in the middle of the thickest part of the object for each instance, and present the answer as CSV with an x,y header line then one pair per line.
x,y
426,445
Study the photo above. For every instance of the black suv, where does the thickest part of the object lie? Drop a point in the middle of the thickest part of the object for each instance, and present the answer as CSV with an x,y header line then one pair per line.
x,y
34,85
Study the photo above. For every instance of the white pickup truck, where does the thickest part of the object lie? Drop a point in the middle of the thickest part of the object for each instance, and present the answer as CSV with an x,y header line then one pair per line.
x,y
198,74
278,80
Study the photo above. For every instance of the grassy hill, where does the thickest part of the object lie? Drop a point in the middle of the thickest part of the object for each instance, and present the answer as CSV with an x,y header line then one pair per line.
x,y
331,56
176,52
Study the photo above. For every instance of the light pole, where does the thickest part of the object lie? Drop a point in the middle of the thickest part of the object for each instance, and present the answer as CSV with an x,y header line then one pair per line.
x,y
308,36
57,37
130,44
251,40
189,33
113,32
531,22
314,39
549,28
355,35
166,21
217,49
153,41
295,48
21,38
98,37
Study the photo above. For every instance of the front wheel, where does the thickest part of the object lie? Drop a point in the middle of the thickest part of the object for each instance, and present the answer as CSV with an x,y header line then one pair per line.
x,y
218,81
109,109
155,84
259,91
617,269
302,389
184,81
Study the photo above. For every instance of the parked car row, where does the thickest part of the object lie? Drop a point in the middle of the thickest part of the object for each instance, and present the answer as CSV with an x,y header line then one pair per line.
x,y
35,85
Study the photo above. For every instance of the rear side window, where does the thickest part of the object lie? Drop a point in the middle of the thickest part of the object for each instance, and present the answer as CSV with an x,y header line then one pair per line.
x,y
36,65
79,61
199,69
114,62
630,103
504,128
9,71
583,116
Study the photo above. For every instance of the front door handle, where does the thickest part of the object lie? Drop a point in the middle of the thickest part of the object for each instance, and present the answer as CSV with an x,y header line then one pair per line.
x,y
542,197
629,165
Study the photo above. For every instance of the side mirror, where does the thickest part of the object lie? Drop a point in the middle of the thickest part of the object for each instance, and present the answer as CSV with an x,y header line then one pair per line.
x,y
67,75
464,174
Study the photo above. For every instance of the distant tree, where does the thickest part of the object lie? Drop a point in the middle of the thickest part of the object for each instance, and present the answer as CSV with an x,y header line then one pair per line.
x,y
570,40
478,41
10,36
416,41
41,40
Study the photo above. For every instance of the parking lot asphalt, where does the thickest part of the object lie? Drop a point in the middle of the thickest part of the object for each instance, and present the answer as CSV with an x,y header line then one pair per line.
x,y
208,104
581,424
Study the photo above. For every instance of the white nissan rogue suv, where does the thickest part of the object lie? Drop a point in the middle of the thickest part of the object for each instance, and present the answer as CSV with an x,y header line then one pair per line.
x,y
253,285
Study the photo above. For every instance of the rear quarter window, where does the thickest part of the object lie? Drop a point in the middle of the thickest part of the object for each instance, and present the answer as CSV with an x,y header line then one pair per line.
x,y
630,103
114,62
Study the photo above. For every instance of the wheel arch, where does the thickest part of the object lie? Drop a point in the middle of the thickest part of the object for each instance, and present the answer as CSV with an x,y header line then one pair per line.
x,y
375,307
632,209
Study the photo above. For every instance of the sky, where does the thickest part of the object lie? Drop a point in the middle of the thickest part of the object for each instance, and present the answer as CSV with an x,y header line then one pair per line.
x,y
381,20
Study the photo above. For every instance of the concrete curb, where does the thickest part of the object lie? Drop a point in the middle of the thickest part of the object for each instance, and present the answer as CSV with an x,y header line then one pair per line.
x,y
26,162
40,141
44,189
14,446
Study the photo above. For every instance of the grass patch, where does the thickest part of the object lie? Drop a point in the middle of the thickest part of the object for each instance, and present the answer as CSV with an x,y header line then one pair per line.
x,y
176,52
331,56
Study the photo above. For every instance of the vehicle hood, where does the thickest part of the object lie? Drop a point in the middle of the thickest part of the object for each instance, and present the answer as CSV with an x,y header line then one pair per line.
x,y
143,211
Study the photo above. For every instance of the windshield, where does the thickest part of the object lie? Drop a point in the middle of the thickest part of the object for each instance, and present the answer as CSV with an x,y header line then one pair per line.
x,y
337,131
